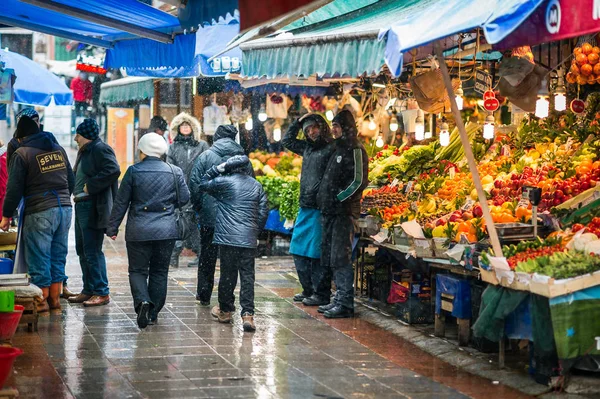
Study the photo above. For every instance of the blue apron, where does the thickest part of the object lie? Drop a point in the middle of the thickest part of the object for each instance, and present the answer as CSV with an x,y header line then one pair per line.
x,y
306,238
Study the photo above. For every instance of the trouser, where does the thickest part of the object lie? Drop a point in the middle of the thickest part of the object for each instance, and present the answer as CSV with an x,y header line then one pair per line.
x,y
336,255
148,272
234,260
314,278
46,244
208,262
192,242
88,244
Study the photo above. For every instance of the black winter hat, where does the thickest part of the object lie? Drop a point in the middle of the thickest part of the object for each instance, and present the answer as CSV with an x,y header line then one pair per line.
x,y
225,131
89,129
26,127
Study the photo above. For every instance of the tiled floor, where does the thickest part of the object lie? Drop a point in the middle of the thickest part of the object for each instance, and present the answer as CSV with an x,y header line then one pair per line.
x,y
295,353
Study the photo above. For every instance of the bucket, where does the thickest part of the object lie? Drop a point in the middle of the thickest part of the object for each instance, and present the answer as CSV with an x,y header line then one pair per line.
x,y
6,266
9,322
7,358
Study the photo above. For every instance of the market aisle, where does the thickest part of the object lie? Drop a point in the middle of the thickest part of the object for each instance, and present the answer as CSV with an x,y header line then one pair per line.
x,y
99,352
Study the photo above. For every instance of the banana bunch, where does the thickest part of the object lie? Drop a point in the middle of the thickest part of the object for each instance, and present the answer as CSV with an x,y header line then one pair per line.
x,y
427,206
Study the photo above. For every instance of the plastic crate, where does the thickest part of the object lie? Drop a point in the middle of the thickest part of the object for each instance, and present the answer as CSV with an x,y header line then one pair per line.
x,y
415,311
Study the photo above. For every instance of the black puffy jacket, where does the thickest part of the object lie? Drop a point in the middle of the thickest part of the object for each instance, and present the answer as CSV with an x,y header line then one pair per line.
x,y
223,148
242,208
346,175
315,157
148,191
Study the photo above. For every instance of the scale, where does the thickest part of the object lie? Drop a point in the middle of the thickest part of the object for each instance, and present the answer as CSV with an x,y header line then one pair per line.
x,y
533,195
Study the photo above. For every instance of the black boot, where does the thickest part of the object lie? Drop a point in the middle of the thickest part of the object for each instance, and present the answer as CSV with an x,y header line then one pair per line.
x,y
339,312
174,262
325,308
315,300
300,297
143,315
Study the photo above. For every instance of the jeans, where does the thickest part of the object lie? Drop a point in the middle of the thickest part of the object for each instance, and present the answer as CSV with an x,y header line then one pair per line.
x,y
314,278
88,244
149,272
234,260
46,240
208,262
336,255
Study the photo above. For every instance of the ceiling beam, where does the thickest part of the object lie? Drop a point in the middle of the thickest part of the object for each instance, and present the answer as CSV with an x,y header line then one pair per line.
x,y
101,20
55,32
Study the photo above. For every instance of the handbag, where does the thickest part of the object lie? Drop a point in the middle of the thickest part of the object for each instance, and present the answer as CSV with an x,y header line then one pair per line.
x,y
183,228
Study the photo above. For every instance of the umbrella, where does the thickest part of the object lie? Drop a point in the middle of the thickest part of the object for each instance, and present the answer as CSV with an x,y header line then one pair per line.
x,y
35,85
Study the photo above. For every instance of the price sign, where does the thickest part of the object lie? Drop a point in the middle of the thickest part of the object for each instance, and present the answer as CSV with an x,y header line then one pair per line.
x,y
409,186
394,183
491,104
483,81
577,106
489,94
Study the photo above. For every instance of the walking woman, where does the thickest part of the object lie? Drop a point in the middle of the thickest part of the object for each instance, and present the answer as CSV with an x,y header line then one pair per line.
x,y
149,191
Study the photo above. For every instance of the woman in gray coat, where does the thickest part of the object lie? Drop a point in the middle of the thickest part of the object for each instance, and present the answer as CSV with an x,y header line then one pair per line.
x,y
148,190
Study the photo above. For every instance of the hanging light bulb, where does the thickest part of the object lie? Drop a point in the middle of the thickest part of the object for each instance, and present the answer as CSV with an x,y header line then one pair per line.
x,y
560,99
329,115
372,125
459,97
379,142
262,114
542,106
488,127
444,134
248,125
394,124
277,133
419,126
429,134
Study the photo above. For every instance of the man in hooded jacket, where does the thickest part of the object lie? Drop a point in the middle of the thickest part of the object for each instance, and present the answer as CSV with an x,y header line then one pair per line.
x,y
315,150
339,198
223,148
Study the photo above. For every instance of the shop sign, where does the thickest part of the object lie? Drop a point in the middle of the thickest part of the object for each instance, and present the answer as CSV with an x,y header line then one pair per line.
x,y
577,106
90,64
553,16
483,81
491,104
489,94
225,64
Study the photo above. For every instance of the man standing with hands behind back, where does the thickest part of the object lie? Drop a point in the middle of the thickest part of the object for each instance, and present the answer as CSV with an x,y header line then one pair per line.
x,y
96,174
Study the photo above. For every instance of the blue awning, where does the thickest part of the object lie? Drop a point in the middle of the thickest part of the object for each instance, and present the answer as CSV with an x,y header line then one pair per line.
x,y
425,21
35,85
186,57
52,18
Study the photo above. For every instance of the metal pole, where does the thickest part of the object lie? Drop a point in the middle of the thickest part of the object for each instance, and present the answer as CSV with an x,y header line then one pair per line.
x,y
464,138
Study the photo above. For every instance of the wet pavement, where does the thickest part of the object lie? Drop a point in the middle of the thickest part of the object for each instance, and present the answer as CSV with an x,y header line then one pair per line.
x,y
295,353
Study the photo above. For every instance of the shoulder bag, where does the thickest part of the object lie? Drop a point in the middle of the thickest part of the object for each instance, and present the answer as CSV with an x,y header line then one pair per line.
x,y
183,228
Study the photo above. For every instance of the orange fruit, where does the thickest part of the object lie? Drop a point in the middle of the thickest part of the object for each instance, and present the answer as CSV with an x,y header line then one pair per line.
x,y
597,69
587,69
582,80
586,48
596,49
574,69
577,50
572,78
581,59
593,58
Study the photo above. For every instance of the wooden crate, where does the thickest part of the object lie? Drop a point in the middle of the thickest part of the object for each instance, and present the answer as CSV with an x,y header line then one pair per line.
x,y
30,314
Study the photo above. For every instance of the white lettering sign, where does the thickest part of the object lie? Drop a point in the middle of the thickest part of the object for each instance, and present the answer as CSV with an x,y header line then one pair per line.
x,y
553,16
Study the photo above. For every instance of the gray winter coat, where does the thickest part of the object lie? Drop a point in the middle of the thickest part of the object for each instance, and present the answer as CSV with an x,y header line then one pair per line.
x,y
222,149
148,191
242,208
185,149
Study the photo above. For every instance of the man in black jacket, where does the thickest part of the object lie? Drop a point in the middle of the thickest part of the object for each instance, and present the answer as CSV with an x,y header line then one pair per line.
x,y
224,147
96,182
339,198
41,176
315,149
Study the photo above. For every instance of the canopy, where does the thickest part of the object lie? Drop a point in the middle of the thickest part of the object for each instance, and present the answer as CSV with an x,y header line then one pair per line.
x,y
100,23
186,57
126,89
35,85
423,21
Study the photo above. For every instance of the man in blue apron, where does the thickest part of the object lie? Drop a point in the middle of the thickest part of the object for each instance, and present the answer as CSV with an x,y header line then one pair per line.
x,y
315,149
40,174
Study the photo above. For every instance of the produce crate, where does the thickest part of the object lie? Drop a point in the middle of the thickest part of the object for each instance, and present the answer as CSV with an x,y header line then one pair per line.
x,y
423,247
400,237
415,311
553,289
440,248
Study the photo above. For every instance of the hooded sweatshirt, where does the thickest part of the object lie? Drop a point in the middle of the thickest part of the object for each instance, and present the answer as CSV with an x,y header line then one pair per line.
x,y
315,157
223,148
185,149
346,175
39,170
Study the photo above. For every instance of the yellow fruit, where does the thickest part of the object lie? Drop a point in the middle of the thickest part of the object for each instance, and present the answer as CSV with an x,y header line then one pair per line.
x,y
487,179
474,195
438,232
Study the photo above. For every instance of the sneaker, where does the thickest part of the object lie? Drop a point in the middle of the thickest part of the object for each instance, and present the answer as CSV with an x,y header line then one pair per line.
x,y
80,298
248,320
315,300
225,317
339,312
214,312
143,317
300,297
325,308
97,300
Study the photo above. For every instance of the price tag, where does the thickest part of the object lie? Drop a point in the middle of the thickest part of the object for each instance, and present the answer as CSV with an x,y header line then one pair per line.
x,y
452,172
414,207
394,183
468,205
523,202
409,186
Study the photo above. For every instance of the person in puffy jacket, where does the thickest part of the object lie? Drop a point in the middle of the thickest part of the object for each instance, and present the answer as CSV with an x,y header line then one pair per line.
x,y
187,146
241,214
148,191
345,178
223,148
315,150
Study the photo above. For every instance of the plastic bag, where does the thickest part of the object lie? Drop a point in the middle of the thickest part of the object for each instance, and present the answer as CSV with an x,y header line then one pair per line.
x,y
398,293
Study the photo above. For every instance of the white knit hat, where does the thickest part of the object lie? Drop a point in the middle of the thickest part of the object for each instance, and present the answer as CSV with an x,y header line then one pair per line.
x,y
153,145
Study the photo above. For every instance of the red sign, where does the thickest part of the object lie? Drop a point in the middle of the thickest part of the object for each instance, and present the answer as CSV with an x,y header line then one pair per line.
x,y
577,106
491,104
489,94
90,69
253,13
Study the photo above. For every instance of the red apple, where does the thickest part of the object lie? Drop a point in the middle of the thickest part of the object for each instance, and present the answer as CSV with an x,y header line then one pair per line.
x,y
477,211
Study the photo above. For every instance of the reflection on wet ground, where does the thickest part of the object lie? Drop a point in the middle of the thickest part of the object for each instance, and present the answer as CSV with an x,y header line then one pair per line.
x,y
100,353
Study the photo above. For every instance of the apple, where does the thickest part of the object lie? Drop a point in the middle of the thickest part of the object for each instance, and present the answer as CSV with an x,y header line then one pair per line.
x,y
454,218
506,191
495,192
559,194
467,216
477,211
584,185
440,222
556,202
498,184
